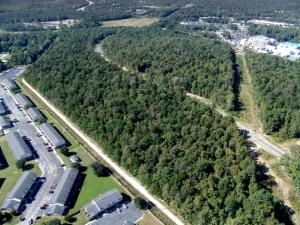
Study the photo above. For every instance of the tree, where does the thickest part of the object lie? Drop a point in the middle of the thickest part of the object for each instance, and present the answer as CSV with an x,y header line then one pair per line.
x,y
76,165
65,151
140,203
99,169
68,218
20,163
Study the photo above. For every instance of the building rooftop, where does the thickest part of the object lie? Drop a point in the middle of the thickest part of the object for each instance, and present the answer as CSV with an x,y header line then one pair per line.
x,y
35,114
122,216
59,199
52,134
23,100
18,146
101,203
9,83
16,195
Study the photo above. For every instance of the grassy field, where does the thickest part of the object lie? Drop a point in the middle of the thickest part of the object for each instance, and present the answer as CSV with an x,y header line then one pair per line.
x,y
11,174
132,22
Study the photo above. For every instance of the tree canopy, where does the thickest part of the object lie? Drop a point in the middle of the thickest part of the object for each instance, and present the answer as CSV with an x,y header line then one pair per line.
x,y
182,150
276,83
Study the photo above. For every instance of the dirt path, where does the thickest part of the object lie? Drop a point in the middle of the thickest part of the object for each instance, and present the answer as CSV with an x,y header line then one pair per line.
x,y
250,113
98,49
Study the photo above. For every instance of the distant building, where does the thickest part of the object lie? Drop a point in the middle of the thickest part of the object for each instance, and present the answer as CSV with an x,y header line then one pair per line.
x,y
52,135
23,100
102,203
15,197
18,146
9,84
35,115
4,123
62,194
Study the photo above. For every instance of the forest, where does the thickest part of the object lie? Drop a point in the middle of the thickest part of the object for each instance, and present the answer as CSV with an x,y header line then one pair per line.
x,y
25,48
276,84
182,150
193,64
14,12
281,34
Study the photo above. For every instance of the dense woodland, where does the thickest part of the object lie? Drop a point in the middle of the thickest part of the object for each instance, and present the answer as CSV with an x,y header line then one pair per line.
x,y
292,164
277,91
183,151
25,48
14,12
193,64
281,34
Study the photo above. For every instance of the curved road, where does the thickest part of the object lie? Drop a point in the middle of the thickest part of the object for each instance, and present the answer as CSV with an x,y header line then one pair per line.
x,y
131,180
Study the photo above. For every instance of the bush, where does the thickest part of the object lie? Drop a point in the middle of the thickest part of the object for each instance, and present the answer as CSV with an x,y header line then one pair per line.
x,y
65,151
68,218
99,169
76,165
20,163
140,203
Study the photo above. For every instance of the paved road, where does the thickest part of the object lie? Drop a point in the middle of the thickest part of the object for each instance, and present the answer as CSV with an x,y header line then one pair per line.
x,y
254,136
122,172
49,162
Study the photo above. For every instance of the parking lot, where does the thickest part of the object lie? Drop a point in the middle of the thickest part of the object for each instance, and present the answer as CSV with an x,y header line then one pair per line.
x,y
48,161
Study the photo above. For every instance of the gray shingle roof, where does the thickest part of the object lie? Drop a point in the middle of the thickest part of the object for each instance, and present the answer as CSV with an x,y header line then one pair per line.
x,y
16,195
9,83
101,203
18,146
55,210
52,134
23,100
59,198
4,122
35,114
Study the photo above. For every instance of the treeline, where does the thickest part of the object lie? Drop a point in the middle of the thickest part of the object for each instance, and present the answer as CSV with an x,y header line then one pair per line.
x,y
25,48
183,151
14,12
276,84
190,63
281,34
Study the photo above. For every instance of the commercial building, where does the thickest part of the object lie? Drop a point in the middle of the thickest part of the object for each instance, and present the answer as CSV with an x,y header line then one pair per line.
x,y
18,146
15,197
62,193
35,115
55,139
102,203
23,100
4,123
9,84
